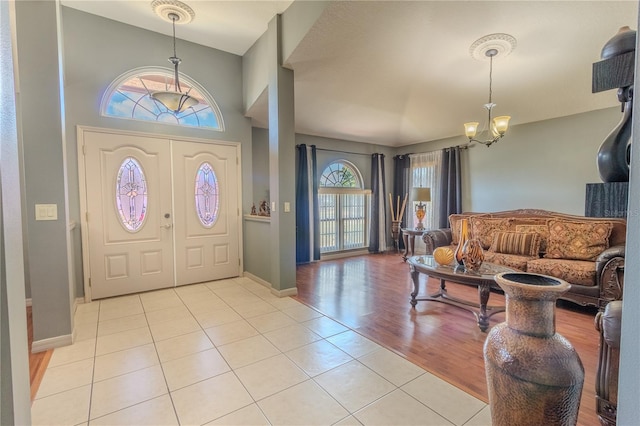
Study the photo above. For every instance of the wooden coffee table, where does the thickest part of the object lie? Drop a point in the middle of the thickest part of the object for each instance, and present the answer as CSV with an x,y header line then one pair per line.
x,y
483,279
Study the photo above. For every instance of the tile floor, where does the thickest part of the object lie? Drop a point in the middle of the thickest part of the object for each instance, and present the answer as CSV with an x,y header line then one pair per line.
x,y
230,353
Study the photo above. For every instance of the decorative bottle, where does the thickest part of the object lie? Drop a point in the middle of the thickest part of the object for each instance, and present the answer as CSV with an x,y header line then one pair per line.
x,y
472,254
462,239
534,375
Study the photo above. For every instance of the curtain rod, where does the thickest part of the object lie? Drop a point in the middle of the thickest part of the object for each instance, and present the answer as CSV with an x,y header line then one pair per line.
x,y
342,152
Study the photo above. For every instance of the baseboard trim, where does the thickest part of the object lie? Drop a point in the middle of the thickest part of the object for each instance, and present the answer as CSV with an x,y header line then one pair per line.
x,y
28,301
285,293
257,279
51,343
280,293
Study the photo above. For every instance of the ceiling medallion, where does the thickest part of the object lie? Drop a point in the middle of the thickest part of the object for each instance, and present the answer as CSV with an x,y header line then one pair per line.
x,y
502,43
169,9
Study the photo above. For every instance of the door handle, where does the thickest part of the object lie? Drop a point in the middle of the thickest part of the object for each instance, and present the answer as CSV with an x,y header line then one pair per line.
x,y
167,226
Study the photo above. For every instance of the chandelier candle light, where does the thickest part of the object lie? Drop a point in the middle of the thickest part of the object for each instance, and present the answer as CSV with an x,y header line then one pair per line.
x,y
174,100
489,47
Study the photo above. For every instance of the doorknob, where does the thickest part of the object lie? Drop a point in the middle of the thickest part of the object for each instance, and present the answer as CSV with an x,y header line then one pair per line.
x,y
167,226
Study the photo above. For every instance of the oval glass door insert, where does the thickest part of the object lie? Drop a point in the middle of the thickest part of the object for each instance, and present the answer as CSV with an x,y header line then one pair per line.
x,y
131,194
207,198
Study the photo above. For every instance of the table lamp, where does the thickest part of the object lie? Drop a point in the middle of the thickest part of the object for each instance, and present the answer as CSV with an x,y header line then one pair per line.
x,y
420,194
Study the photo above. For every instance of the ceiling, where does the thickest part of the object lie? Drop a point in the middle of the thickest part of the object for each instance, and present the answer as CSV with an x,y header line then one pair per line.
x,y
400,72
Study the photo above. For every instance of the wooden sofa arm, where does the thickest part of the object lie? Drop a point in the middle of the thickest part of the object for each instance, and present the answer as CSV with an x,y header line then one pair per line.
x,y
610,274
608,323
436,238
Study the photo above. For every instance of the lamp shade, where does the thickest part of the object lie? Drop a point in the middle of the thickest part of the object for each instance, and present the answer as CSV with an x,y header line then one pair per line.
x,y
421,194
501,124
470,129
175,101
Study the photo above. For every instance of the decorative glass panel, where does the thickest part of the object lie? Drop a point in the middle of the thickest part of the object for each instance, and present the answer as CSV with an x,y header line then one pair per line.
x,y
129,96
206,195
131,194
340,174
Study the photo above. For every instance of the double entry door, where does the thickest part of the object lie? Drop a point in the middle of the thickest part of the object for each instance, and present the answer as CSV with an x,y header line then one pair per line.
x,y
159,212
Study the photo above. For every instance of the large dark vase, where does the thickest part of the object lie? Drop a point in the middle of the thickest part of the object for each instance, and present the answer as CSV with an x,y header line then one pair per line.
x,y
534,375
614,153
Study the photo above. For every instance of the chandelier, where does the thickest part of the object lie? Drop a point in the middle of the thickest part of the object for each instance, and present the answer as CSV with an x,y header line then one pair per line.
x,y
174,100
495,128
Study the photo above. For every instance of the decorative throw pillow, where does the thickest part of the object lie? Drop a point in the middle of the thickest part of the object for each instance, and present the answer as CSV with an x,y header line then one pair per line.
x,y
542,230
483,228
577,240
520,243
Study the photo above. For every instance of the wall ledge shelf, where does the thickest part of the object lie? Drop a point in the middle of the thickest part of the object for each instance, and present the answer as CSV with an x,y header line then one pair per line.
x,y
256,218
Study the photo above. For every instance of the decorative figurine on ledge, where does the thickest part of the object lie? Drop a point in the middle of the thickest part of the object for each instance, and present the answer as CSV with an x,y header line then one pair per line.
x,y
264,209
253,210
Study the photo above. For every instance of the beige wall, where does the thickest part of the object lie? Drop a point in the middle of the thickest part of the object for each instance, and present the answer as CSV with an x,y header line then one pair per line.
x,y
543,165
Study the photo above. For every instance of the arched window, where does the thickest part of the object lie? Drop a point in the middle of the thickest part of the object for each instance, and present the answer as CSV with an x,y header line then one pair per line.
x,y
129,96
344,208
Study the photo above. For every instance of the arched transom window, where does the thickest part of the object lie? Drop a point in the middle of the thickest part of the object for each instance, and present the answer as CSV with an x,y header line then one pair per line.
x,y
344,208
129,96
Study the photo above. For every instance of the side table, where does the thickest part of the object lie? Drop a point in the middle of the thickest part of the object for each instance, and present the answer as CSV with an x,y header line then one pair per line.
x,y
409,238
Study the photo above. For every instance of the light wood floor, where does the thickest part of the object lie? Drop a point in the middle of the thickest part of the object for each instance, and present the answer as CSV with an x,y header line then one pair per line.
x,y
371,294
37,362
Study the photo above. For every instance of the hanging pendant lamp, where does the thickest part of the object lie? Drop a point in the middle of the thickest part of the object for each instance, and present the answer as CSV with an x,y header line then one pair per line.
x,y
489,47
174,100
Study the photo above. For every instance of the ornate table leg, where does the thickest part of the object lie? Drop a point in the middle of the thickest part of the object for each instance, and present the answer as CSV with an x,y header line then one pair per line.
x,y
484,289
415,276
405,238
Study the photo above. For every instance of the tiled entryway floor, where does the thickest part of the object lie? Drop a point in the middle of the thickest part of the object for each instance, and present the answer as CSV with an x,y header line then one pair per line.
x,y
230,353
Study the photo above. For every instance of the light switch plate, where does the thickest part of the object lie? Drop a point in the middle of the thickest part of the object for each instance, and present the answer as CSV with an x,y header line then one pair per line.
x,y
273,206
287,207
46,212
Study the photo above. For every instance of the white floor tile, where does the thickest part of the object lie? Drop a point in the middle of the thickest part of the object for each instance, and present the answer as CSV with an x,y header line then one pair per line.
x,y
231,332
184,345
318,357
118,325
447,400
194,368
267,377
85,331
253,309
285,303
195,404
66,377
166,301
247,416
170,314
126,361
302,313
127,390
324,326
291,337
354,386
154,412
398,408
78,351
167,330
215,317
113,311
65,408
271,321
219,284
247,351
483,418
391,366
353,343
303,404
124,340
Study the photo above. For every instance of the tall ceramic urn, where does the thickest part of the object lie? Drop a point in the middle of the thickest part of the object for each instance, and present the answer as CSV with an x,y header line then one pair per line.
x,y
534,375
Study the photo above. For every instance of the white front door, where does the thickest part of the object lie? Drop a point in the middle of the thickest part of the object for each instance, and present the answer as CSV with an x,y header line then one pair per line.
x,y
128,184
160,213
206,212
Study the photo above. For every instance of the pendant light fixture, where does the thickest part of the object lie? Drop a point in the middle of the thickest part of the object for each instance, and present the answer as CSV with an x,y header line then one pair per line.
x,y
174,100
489,47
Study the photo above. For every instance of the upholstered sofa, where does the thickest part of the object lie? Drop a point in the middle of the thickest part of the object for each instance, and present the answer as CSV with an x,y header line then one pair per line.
x,y
586,252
